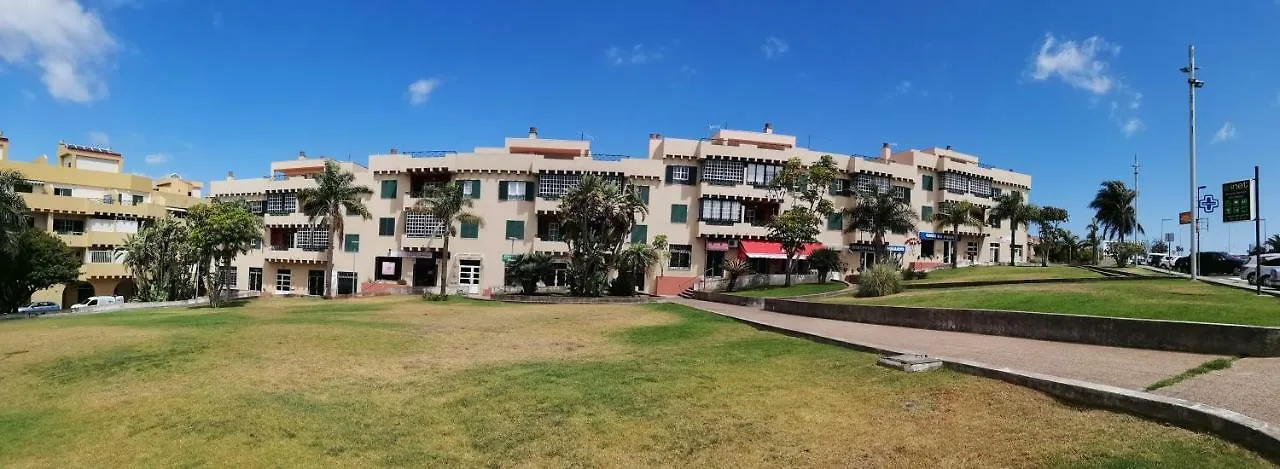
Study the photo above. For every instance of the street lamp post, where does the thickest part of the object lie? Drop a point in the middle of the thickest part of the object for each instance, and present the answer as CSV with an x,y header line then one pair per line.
x,y
1167,248
1195,235
1192,84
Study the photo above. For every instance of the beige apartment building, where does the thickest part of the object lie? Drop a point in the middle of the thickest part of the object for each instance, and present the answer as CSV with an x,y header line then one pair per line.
x,y
709,196
83,196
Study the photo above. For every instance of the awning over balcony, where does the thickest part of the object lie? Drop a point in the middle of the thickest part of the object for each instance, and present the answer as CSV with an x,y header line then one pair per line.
x,y
771,250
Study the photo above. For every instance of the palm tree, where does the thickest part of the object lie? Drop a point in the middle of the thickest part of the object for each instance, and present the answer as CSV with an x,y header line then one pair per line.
x,y
734,268
1115,210
1011,207
449,207
1272,243
12,208
956,214
527,269
1071,242
879,214
633,262
335,193
1092,240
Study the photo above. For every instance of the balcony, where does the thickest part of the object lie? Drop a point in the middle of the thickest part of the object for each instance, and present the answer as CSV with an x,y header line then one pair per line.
x,y
104,270
285,220
81,205
949,196
92,238
295,255
415,243
549,245
734,230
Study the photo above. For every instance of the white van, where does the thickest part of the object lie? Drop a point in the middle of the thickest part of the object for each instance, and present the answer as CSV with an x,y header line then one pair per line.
x,y
98,301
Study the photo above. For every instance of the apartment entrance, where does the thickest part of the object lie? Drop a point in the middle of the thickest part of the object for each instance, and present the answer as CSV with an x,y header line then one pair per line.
x,y
469,276
425,273
315,282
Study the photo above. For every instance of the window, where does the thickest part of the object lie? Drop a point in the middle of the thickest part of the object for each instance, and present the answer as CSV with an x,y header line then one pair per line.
x,y
996,191
681,256
258,207
107,199
351,243
722,211
64,226
980,187
553,186
679,213
551,231
311,240
279,204
643,193
386,226
346,283
229,274
389,189
722,172
927,249
514,190
871,183
639,234
835,222
994,222
101,257
749,215
681,174
255,278
423,225
62,192
470,188
470,230
761,174
956,183
515,229
284,280
902,194
839,187
257,243
24,187
926,213
137,199
926,182
995,252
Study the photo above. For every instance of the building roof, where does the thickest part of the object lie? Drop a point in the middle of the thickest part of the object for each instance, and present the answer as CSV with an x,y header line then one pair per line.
x,y
105,151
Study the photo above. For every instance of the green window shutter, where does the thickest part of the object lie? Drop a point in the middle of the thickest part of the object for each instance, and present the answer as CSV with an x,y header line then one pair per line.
x,y
926,182
386,227
693,175
515,229
670,169
470,230
475,188
502,189
834,189
530,190
643,191
679,213
640,234
835,222
389,189
351,243
926,213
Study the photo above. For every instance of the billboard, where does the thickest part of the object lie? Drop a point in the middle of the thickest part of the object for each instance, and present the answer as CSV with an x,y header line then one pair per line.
x,y
1237,201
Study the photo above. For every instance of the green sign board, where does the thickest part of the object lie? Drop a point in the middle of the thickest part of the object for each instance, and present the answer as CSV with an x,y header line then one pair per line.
x,y
507,258
1237,201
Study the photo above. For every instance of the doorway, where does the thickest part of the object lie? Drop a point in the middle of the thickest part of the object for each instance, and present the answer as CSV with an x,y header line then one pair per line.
x,y
715,263
424,272
315,282
469,276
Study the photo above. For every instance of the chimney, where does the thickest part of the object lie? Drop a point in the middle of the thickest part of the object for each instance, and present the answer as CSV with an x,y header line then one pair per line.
x,y
302,155
885,151
655,136
948,147
768,128
231,175
393,150
533,132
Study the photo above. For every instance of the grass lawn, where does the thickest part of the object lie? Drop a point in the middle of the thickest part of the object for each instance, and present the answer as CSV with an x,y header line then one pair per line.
x,y
396,381
793,290
1173,299
1004,272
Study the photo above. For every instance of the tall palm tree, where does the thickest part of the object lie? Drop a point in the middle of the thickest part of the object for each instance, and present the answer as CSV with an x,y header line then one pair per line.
x,y
450,207
879,213
1012,207
1116,213
1069,241
956,214
1092,240
12,209
335,193
1272,243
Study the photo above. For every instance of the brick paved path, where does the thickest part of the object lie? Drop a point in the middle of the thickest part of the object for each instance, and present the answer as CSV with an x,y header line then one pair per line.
x,y
1251,387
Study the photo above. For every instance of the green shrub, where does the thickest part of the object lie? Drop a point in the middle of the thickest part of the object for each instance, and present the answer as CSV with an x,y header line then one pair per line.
x,y
908,274
434,297
880,280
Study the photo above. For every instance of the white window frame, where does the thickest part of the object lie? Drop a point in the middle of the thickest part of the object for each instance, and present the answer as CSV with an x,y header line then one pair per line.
x,y
684,251
284,277
555,185
720,210
101,256
517,194
758,174
258,271
718,171
229,275
680,174
423,225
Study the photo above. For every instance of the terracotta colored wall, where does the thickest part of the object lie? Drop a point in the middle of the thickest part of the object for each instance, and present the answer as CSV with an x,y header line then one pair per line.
x,y
669,286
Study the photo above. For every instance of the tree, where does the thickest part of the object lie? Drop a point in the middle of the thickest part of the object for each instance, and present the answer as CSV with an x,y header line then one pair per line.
x,y
220,231
39,261
825,260
734,268
1160,246
633,262
1272,243
13,209
1092,240
1115,210
334,196
161,259
663,249
806,187
956,214
1011,207
1048,219
526,270
1124,252
1069,242
878,214
596,220
448,206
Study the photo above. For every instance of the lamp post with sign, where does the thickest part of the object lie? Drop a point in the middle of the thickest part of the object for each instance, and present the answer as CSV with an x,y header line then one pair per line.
x,y
1240,202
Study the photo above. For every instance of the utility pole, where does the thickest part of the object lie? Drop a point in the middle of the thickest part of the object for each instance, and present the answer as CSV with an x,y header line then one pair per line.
x,y
1135,197
1192,84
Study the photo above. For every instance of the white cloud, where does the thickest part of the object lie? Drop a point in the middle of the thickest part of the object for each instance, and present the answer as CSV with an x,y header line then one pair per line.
x,y
637,55
774,47
420,90
99,139
1131,126
1078,64
1227,132
156,158
903,87
67,43
1135,101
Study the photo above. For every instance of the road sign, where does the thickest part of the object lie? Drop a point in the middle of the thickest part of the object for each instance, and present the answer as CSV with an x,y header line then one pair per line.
x,y
1168,237
1237,201
1184,218
1208,203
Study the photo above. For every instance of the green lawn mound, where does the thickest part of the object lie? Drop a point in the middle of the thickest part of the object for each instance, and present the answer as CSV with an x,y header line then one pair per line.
x,y
1172,299
1004,273
793,290
401,382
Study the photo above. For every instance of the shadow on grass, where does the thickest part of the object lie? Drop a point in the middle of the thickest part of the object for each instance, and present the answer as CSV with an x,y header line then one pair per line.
x,y
116,361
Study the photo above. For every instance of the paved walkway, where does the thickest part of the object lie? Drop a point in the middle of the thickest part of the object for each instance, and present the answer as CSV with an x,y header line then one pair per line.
x,y
1251,387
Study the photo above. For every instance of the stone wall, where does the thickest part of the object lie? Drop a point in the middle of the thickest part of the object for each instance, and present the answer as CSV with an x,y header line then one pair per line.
x,y
1222,339
557,299
727,298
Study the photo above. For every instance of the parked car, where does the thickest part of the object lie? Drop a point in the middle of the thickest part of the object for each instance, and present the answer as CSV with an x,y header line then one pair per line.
x,y
1168,261
39,307
98,301
1248,270
1270,276
1211,263
1158,259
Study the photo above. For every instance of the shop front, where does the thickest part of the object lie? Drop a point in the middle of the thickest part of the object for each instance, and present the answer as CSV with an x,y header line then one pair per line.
x,y
768,257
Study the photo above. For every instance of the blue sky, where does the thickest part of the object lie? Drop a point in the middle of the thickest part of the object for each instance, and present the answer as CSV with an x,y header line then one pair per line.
x,y
1065,91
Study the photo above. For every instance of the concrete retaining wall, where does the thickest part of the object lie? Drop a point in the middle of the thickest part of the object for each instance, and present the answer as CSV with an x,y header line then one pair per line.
x,y
1195,337
551,299
727,298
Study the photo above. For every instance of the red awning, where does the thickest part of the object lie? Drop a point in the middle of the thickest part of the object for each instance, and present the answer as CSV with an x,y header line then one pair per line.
x,y
771,250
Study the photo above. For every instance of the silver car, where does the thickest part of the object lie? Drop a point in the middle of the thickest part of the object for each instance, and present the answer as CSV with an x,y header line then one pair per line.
x,y
39,307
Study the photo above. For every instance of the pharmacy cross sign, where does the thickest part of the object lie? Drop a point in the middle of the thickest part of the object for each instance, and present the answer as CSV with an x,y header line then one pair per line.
x,y
1208,203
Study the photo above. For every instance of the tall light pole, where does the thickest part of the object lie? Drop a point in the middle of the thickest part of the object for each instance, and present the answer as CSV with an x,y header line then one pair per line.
x,y
1167,248
1135,197
1192,84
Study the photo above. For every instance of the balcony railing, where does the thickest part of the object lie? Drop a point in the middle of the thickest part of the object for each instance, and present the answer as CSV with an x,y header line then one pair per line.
x,y
609,157
429,153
